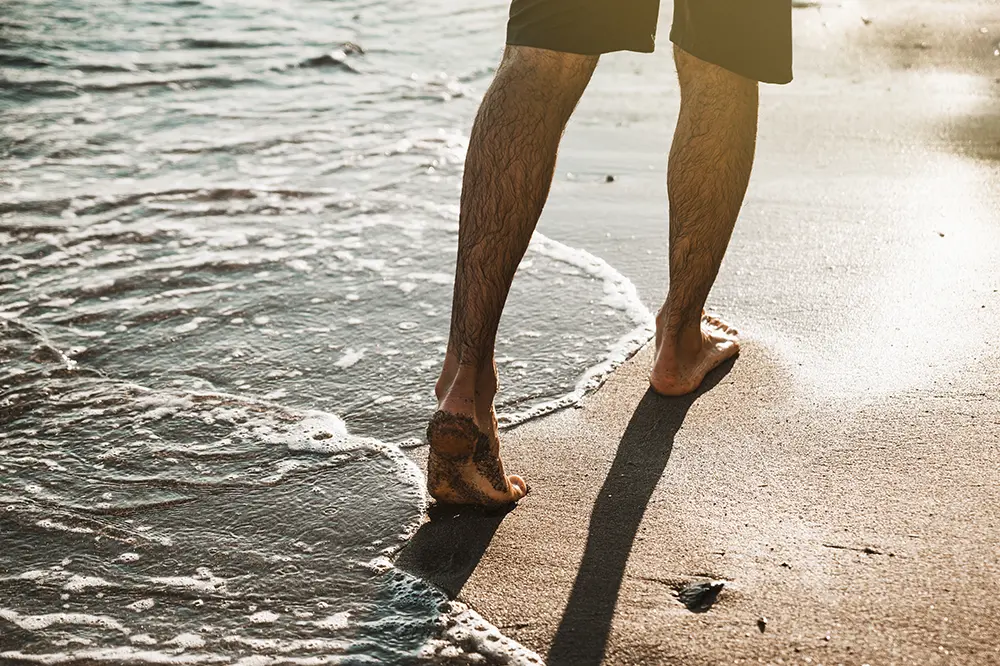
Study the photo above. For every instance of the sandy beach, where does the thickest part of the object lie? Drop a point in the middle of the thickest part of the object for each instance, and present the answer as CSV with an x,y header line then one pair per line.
x,y
841,478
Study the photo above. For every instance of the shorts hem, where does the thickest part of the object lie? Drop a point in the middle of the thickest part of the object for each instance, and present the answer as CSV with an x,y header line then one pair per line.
x,y
763,75
567,46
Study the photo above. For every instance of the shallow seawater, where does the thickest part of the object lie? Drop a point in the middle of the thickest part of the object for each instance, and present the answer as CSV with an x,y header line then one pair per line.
x,y
226,242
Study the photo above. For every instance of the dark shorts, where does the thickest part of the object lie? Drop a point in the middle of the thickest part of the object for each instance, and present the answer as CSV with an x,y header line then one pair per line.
x,y
752,38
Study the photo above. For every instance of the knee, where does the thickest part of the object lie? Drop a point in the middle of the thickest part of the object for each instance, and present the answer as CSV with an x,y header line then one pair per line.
x,y
547,62
552,75
697,75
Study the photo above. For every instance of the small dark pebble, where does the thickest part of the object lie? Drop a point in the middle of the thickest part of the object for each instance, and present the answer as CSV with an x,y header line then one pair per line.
x,y
609,179
786,565
762,624
322,435
699,597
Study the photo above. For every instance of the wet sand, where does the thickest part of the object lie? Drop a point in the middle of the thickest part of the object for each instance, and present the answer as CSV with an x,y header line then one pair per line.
x,y
841,478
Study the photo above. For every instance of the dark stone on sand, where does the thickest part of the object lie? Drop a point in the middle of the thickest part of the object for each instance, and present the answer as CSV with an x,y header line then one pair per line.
x,y
609,179
762,624
699,597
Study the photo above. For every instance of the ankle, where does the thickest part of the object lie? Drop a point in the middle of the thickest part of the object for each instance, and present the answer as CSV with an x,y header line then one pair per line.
x,y
442,386
447,376
468,390
459,398
677,333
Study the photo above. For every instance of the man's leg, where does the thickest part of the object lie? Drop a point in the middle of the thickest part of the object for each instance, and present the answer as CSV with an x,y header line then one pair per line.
x,y
508,171
707,176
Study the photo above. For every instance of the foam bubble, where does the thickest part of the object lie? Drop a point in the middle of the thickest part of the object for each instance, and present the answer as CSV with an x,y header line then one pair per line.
x,y
203,581
263,617
334,622
190,326
463,636
379,565
42,575
38,622
116,655
50,524
435,278
77,583
142,639
350,358
475,635
187,640
282,646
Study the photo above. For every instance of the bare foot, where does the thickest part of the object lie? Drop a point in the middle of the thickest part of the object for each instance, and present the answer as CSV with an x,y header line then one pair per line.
x,y
464,465
681,365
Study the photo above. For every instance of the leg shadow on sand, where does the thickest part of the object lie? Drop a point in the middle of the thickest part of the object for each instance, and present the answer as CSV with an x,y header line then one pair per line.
x,y
641,459
447,548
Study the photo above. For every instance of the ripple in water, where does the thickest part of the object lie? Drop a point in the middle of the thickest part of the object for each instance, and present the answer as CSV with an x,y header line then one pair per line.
x,y
225,277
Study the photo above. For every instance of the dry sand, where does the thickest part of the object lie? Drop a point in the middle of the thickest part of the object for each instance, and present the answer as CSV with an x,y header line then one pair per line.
x,y
841,478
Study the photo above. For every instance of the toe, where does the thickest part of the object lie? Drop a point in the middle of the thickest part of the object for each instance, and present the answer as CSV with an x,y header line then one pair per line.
x,y
518,487
720,325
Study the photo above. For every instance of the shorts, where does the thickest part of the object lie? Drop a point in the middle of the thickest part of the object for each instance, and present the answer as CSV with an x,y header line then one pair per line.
x,y
752,38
